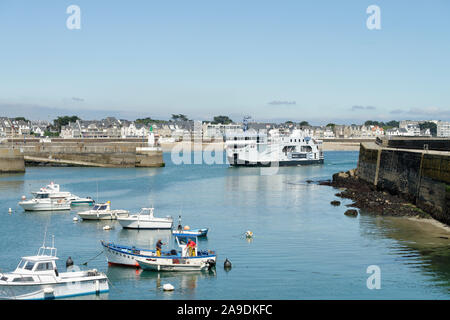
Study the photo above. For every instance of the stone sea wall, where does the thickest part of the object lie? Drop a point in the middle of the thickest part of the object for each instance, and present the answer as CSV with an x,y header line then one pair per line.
x,y
90,153
420,176
11,160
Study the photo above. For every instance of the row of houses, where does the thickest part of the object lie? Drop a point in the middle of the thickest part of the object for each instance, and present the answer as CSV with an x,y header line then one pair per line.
x,y
177,130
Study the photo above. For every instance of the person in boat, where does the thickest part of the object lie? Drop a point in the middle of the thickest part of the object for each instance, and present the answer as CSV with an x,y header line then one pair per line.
x,y
191,246
159,244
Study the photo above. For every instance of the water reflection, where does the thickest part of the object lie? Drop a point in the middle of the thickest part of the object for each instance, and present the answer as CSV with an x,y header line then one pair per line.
x,y
418,244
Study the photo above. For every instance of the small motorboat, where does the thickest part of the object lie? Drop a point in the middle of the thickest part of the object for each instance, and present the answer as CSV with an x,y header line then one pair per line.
x,y
183,260
37,277
186,230
78,201
145,220
50,198
102,211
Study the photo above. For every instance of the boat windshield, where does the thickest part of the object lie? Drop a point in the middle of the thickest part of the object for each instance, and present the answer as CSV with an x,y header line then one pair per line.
x,y
99,207
29,265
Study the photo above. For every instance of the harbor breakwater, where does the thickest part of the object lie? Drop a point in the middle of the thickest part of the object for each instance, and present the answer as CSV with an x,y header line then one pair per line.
x,y
401,177
11,161
87,152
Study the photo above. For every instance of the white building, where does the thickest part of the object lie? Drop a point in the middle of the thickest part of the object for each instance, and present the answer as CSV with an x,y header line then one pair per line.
x,y
443,129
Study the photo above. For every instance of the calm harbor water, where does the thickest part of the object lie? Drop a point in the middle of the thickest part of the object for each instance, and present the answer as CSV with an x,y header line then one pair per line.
x,y
303,247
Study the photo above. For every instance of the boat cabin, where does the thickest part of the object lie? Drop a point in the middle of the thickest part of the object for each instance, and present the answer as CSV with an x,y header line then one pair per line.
x,y
101,206
183,241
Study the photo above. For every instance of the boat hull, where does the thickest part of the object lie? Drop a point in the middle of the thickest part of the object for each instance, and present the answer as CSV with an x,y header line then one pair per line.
x,y
100,216
175,263
195,232
47,206
142,224
125,256
54,290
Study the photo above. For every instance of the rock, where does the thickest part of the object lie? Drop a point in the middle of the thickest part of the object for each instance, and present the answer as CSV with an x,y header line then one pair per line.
x,y
335,203
351,213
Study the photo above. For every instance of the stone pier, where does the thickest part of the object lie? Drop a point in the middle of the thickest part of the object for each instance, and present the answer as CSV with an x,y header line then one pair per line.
x,y
11,160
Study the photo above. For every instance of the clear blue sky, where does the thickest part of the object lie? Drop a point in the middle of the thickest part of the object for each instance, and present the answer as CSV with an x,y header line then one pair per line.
x,y
205,57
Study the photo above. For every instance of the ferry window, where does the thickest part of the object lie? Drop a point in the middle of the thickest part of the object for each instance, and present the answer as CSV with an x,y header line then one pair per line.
x,y
102,208
23,279
29,265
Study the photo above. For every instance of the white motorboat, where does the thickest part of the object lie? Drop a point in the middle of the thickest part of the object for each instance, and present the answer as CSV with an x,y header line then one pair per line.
x,y
50,198
145,220
186,260
102,211
37,277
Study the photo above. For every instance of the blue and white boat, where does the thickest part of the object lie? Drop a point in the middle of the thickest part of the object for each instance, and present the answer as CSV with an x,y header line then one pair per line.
x,y
187,231
37,277
187,259
129,256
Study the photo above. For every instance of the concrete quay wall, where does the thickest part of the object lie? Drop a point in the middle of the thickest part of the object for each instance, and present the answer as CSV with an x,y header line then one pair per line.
x,y
90,153
11,160
420,176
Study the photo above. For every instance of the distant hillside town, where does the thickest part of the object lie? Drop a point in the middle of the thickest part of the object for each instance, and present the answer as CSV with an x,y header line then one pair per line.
x,y
180,127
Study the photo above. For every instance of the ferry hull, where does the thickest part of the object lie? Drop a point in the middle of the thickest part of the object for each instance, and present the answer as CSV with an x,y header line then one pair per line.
x,y
286,163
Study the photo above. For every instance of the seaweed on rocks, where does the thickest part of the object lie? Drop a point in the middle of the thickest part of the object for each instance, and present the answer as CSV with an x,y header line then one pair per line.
x,y
367,198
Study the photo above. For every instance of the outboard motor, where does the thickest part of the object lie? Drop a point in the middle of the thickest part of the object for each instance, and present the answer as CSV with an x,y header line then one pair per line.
x,y
173,252
227,264
211,264
69,262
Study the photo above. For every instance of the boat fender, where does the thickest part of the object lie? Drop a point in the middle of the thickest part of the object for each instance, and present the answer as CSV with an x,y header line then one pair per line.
x,y
69,262
227,264
211,264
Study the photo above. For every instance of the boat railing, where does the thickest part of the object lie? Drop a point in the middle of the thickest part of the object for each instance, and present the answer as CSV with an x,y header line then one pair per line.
x,y
47,251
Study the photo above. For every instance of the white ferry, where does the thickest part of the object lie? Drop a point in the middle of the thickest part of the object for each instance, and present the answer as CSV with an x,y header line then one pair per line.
x,y
256,149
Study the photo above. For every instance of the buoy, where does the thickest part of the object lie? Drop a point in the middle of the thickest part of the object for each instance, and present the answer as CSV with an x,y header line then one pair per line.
x,y
75,219
106,228
24,198
168,287
187,228
249,234
227,264
10,210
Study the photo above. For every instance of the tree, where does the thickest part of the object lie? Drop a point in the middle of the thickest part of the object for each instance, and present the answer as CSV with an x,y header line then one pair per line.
x,y
64,121
304,124
332,125
147,121
222,120
180,117
20,118
429,125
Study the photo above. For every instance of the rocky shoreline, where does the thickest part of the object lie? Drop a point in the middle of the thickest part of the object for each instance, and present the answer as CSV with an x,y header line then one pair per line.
x,y
367,198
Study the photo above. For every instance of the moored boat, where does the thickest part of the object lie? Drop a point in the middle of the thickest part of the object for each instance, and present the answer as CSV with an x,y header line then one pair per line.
x,y
186,230
187,259
102,211
37,277
145,220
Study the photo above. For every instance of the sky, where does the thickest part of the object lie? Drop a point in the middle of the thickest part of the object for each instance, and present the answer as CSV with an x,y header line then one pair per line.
x,y
279,60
